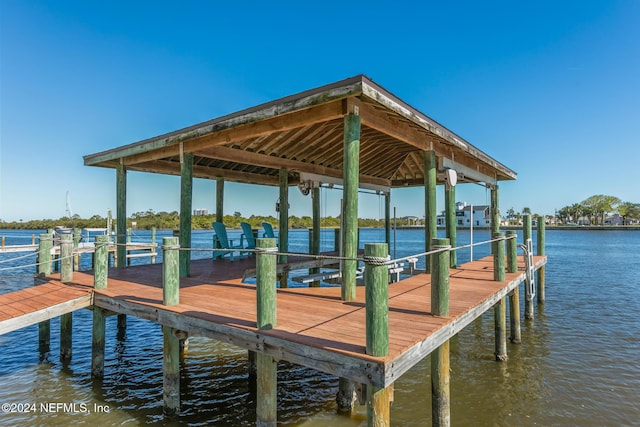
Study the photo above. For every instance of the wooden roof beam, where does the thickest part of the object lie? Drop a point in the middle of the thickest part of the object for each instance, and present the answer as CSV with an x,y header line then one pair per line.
x,y
173,168
273,162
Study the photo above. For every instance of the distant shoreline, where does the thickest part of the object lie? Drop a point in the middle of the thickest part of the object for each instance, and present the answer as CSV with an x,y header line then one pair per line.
x,y
547,228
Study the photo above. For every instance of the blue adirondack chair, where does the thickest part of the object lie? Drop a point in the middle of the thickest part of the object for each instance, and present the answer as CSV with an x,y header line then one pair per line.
x,y
247,233
268,230
220,240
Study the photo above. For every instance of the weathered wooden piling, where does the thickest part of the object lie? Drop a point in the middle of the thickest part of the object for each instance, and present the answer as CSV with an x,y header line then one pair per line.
x,y
283,224
431,214
77,236
66,275
219,199
376,278
153,241
186,197
495,209
100,278
44,269
541,226
66,257
440,372
347,395
121,215
500,312
351,173
387,218
314,247
267,368
171,347
450,219
527,235
515,334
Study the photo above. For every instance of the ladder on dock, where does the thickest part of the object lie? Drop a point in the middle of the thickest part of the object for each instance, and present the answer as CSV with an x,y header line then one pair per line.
x,y
530,284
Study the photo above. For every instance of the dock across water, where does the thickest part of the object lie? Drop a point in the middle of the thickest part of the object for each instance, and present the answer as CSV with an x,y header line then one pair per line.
x,y
312,326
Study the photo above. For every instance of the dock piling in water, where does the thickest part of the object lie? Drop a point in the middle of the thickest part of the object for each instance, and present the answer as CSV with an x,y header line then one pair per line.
x,y
440,363
44,269
500,309
541,226
66,275
266,365
171,342
515,333
100,276
376,279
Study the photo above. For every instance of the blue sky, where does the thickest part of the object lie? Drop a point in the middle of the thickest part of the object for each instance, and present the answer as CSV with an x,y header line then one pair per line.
x,y
548,88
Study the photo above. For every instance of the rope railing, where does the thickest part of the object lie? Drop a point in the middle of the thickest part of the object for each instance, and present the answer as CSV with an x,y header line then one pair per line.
x,y
3,261
36,264
370,260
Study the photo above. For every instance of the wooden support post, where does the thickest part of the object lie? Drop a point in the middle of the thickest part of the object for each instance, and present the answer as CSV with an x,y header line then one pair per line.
x,y
514,298
44,269
253,372
540,251
526,235
77,236
170,265
97,342
171,349
128,251
450,207
101,267
495,210
376,279
265,283
500,312
431,214
315,231
186,197
347,395
153,241
66,275
44,254
66,337
171,370
267,368
351,174
100,276
219,199
387,218
283,217
121,215
440,362
66,255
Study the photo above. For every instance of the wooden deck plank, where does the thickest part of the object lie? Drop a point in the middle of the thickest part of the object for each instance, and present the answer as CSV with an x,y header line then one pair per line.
x,y
35,304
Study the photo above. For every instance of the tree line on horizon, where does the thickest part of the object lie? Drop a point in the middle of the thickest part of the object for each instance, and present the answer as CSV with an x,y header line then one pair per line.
x,y
171,220
597,208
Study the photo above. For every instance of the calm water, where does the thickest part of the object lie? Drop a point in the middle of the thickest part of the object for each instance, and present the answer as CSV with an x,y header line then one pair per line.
x,y
579,363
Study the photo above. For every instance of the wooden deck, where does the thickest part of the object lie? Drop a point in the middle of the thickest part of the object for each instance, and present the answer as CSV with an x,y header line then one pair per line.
x,y
33,305
314,327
